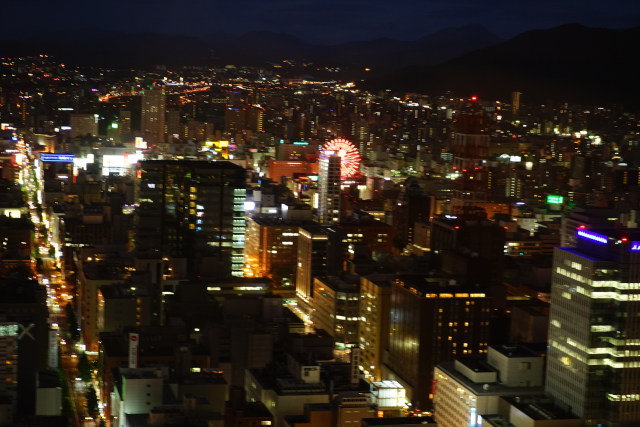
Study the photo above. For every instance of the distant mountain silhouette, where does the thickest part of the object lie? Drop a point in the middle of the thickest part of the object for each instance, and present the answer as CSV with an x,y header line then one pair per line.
x,y
427,50
571,62
120,50
102,47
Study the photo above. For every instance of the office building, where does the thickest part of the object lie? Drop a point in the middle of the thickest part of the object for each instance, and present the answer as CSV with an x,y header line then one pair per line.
x,y
124,126
271,248
24,345
515,102
153,114
593,365
83,125
193,210
329,188
470,149
528,411
472,247
318,255
336,308
432,321
373,332
472,386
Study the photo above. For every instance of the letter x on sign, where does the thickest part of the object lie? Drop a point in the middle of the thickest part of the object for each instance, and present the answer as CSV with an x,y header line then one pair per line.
x,y
25,330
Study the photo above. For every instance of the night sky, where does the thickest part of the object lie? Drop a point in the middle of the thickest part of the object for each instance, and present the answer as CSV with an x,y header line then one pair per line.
x,y
328,21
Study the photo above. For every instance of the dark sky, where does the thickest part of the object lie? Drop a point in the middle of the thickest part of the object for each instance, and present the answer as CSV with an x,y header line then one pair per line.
x,y
312,20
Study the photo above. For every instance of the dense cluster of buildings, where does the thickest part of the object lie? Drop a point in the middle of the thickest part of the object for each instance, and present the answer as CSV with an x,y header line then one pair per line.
x,y
474,265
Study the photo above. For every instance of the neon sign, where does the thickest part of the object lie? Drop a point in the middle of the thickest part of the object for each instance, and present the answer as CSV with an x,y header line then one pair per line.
x,y
593,236
635,246
58,158
555,200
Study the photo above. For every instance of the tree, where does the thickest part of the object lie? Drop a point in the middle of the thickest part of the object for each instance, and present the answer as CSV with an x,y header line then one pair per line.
x,y
84,367
72,322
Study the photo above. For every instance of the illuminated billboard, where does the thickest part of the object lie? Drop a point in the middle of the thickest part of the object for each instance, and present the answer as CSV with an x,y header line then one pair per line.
x,y
555,200
56,158
140,143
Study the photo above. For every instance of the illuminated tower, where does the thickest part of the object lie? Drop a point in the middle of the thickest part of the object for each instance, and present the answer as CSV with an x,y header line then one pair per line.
x,y
515,102
329,188
593,364
339,160
470,148
124,126
153,112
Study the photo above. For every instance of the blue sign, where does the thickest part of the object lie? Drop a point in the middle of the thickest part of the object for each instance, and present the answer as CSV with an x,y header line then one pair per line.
x,y
635,246
57,158
593,236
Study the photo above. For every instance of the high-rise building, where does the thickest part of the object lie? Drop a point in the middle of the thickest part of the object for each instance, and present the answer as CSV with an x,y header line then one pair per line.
x,y
124,126
83,124
593,363
515,102
193,209
174,126
24,345
336,308
153,114
470,148
271,248
317,256
472,386
471,245
373,332
329,188
432,320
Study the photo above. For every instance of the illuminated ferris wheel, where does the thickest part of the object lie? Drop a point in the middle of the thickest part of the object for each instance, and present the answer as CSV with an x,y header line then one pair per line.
x,y
348,153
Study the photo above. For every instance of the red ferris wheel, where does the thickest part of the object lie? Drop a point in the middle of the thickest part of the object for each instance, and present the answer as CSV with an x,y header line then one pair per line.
x,y
348,153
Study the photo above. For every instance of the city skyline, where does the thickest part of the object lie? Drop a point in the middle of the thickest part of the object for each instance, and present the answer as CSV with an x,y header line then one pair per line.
x,y
275,242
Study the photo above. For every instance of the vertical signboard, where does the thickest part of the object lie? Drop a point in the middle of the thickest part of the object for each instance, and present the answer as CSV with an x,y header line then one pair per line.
x,y
133,349
53,348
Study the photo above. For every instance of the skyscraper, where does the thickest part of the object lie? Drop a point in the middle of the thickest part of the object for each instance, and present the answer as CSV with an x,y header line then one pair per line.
x,y
318,255
470,148
432,320
329,188
195,210
153,114
594,339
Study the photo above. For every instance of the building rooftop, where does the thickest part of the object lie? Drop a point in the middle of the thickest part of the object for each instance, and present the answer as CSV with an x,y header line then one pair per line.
x,y
424,285
339,284
539,407
281,222
493,389
476,363
514,350
286,385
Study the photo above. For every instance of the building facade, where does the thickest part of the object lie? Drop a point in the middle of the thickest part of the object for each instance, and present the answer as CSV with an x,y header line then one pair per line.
x,y
432,322
154,110
195,210
594,363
